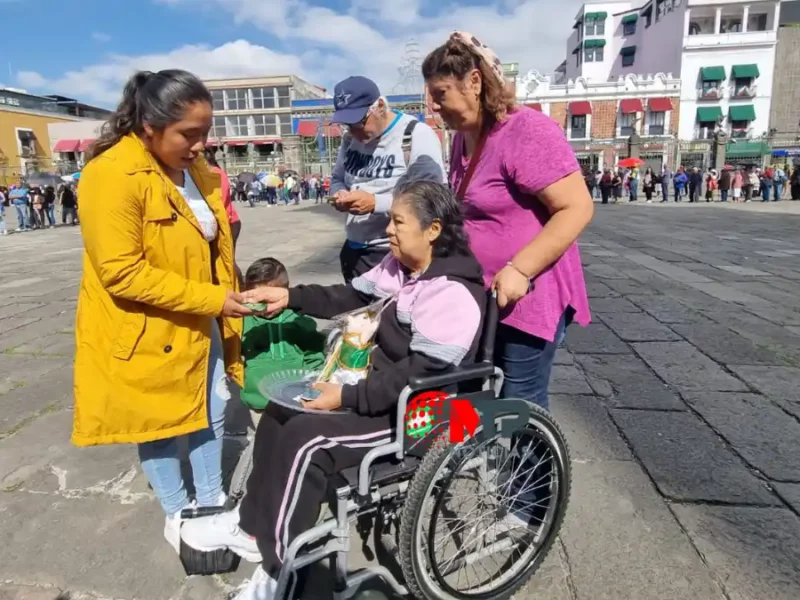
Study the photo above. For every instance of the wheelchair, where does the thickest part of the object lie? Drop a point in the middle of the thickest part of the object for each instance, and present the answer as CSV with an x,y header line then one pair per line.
x,y
408,502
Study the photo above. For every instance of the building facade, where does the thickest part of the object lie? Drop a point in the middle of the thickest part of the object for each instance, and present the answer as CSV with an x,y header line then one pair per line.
x,y
722,50
599,117
784,119
25,119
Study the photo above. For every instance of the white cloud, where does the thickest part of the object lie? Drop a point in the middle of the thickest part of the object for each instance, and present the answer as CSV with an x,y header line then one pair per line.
x,y
367,38
101,38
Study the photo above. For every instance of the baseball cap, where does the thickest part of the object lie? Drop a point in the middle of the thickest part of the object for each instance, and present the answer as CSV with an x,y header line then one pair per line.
x,y
352,98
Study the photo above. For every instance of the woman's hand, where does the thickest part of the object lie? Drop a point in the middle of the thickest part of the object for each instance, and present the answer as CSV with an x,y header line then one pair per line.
x,y
233,306
329,399
511,285
276,299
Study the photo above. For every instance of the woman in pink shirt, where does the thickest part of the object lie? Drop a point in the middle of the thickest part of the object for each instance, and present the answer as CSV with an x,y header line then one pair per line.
x,y
233,216
525,204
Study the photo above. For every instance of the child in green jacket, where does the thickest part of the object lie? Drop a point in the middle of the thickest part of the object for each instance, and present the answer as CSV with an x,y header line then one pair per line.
x,y
284,341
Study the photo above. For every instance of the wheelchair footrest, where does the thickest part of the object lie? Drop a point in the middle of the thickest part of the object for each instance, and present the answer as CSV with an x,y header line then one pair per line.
x,y
197,562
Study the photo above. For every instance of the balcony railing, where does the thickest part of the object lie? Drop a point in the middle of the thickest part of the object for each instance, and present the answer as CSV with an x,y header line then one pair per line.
x,y
709,94
737,38
704,133
578,134
743,91
655,130
740,133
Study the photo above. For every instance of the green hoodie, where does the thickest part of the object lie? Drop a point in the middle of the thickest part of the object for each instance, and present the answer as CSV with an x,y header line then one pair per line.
x,y
286,341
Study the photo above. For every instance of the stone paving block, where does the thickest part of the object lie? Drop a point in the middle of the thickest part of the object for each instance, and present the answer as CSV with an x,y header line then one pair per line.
x,y
56,344
600,290
616,514
25,592
594,339
665,309
87,545
779,383
590,433
567,379
628,382
789,493
727,293
33,329
687,461
18,308
626,287
739,270
638,327
605,271
38,394
613,305
753,551
563,357
668,270
726,346
757,430
682,366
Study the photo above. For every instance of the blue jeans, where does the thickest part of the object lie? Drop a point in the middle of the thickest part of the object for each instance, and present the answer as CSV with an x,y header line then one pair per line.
x,y
527,361
723,195
778,191
161,461
23,222
634,189
765,190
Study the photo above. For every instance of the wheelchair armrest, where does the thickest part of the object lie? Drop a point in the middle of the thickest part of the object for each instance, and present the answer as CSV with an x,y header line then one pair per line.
x,y
480,370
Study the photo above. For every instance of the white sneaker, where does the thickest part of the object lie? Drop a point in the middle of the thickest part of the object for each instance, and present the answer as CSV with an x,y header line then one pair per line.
x,y
172,528
260,587
220,531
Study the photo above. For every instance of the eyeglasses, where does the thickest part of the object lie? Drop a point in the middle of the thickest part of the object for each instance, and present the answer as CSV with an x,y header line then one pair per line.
x,y
360,124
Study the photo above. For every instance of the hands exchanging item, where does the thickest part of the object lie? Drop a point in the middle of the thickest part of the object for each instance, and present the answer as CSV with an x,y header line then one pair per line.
x,y
329,399
276,299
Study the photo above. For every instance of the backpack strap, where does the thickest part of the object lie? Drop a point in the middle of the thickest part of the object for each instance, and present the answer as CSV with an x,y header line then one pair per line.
x,y
407,134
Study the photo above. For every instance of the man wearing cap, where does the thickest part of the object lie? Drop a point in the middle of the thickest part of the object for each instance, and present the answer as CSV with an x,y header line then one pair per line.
x,y
380,146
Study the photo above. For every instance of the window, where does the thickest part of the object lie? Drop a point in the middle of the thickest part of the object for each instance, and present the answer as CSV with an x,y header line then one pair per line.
x,y
284,97
627,59
739,128
218,99
578,127
237,126
236,99
218,131
655,123
710,90
263,97
594,27
629,28
593,54
730,25
265,125
286,124
706,129
627,124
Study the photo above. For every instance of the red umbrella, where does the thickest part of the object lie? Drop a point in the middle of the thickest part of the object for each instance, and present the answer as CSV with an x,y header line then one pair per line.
x,y
727,168
628,163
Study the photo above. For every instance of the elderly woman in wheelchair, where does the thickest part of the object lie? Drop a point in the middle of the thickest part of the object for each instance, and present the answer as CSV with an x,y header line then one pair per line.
x,y
406,492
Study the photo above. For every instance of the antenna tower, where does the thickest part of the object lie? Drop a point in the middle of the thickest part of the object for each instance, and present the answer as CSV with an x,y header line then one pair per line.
x,y
410,70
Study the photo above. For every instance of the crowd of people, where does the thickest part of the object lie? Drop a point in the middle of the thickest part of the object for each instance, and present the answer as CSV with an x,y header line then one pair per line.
x,y
35,206
732,183
290,188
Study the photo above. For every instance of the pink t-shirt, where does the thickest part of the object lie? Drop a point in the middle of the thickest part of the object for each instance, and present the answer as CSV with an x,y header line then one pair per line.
x,y
233,216
522,156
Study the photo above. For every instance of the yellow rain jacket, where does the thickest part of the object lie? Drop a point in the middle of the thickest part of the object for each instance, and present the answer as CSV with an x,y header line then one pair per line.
x,y
151,288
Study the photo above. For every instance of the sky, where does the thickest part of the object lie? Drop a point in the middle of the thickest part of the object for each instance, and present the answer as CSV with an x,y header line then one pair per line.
x,y
86,49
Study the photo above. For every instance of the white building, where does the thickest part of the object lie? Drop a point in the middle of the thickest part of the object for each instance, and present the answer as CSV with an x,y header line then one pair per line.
x,y
724,51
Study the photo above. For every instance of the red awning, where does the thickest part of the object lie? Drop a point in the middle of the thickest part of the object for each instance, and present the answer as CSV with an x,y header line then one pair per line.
x,y
307,128
66,146
213,144
85,145
535,106
631,105
659,104
331,130
579,109
236,143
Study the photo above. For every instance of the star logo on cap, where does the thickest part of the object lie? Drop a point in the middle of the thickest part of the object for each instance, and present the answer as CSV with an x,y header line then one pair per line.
x,y
342,99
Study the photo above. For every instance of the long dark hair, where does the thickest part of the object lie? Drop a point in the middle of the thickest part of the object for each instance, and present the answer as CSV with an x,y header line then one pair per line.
x,y
431,201
157,99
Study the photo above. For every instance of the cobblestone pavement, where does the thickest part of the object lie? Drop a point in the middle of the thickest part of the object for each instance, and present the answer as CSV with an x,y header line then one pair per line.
x,y
680,402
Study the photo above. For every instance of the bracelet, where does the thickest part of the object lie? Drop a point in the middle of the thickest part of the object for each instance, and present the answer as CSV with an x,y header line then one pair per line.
x,y
517,269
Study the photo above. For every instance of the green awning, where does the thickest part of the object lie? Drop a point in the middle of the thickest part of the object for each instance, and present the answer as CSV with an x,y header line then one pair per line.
x,y
630,18
627,50
744,112
712,73
594,43
745,71
708,114
595,16
747,149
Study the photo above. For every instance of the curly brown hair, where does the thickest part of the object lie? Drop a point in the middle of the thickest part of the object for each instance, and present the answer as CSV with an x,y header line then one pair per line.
x,y
456,59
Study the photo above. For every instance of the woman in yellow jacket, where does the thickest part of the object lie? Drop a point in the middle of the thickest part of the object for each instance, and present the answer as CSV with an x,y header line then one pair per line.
x,y
158,324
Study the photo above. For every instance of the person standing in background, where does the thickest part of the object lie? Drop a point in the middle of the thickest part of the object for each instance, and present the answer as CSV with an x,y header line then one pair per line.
x,y
724,184
666,183
381,147
648,184
779,178
633,184
225,183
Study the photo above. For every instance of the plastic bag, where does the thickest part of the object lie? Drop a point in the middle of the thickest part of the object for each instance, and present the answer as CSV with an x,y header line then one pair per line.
x,y
348,359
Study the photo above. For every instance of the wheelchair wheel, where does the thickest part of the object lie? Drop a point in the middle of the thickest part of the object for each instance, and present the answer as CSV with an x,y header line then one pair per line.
x,y
481,515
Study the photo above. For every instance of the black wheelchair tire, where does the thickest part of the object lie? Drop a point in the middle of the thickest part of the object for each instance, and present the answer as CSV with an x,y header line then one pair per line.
x,y
424,479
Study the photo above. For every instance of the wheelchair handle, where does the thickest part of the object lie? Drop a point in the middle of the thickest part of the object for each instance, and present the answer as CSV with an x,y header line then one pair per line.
x,y
491,320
